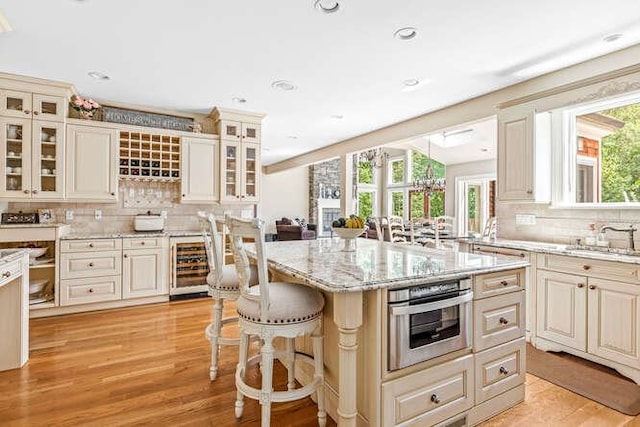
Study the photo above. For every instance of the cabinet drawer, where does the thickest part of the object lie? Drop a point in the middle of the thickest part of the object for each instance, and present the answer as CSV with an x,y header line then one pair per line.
x,y
502,282
493,250
590,267
89,245
498,320
10,271
499,369
90,264
94,289
143,243
430,396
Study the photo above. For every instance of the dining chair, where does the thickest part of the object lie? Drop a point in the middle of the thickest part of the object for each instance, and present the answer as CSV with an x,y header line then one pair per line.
x,y
395,226
270,310
223,284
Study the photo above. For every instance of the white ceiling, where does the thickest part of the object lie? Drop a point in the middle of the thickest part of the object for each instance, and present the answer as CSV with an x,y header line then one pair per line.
x,y
194,55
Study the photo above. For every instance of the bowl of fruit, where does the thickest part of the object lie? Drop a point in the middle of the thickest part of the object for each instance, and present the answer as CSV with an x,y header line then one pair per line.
x,y
348,229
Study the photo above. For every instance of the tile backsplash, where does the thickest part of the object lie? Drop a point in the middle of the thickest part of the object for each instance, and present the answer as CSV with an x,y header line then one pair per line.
x,y
134,198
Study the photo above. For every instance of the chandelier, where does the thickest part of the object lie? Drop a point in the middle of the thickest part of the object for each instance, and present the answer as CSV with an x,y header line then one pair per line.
x,y
429,184
375,157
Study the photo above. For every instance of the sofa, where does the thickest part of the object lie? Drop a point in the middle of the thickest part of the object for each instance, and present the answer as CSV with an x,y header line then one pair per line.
x,y
288,229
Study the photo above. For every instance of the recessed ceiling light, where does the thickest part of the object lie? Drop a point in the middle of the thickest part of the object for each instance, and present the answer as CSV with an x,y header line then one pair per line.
x,y
406,33
238,100
284,85
411,82
292,137
612,37
98,75
337,116
327,6
484,150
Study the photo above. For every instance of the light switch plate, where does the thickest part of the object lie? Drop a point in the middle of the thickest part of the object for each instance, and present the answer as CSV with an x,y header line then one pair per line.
x,y
98,214
68,215
522,219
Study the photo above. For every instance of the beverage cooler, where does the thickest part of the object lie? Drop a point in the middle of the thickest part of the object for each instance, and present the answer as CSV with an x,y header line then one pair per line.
x,y
189,268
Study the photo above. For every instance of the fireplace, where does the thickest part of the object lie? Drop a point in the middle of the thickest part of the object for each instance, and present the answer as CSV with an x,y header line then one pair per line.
x,y
328,211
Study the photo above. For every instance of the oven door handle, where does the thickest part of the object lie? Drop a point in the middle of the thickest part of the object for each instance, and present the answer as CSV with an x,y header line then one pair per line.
x,y
430,306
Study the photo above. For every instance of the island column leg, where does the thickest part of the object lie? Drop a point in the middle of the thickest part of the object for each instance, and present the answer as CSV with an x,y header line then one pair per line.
x,y
347,315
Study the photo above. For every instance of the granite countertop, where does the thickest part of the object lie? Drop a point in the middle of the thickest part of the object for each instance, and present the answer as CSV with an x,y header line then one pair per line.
x,y
372,265
559,249
9,255
131,234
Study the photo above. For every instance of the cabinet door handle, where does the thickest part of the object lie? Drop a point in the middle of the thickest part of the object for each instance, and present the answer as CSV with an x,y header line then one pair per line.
x,y
34,191
35,113
184,195
580,285
522,255
586,267
90,264
435,399
592,287
26,191
529,191
503,321
113,194
504,283
503,370
27,112
6,274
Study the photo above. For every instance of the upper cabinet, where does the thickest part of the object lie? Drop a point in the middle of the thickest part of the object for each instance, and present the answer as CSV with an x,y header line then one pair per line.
x,y
33,105
516,161
31,156
240,166
91,163
199,167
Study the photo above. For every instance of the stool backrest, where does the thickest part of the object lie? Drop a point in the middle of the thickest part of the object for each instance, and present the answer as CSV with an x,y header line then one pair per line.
x,y
212,244
253,229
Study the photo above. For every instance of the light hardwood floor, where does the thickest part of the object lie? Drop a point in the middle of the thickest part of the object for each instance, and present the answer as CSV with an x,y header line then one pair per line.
x,y
150,365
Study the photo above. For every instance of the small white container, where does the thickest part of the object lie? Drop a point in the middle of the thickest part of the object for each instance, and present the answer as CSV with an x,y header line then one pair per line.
x,y
148,222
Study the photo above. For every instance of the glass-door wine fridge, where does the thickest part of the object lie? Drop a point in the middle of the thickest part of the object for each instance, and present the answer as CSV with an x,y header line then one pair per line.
x,y
189,268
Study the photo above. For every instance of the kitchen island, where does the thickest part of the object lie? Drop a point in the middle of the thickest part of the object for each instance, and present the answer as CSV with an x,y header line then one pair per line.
x,y
361,389
14,308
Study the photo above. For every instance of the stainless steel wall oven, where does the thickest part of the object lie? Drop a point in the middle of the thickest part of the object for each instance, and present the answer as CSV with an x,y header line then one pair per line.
x,y
427,321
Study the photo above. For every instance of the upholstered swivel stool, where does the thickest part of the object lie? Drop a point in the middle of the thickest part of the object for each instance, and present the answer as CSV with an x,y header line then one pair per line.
x,y
223,285
270,310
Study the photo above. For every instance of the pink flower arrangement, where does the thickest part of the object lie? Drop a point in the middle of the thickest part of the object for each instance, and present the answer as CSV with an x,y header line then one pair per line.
x,y
86,106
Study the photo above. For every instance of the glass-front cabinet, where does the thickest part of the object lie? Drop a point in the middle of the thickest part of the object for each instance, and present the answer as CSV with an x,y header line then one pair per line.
x,y
32,105
240,169
32,152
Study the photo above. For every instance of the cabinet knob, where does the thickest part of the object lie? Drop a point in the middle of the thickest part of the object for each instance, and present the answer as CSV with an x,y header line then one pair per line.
x,y
586,267
184,195
90,245
27,112
435,399
522,255
580,285
504,283
35,113
503,370
90,264
113,194
592,287
26,191
6,274
34,191
126,256
90,290
142,243
503,321
529,191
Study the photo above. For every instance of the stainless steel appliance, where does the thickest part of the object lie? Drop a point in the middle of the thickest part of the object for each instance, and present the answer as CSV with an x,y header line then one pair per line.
x,y
429,320
189,267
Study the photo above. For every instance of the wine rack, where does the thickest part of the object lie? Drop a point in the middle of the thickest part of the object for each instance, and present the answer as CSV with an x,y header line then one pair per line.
x,y
149,156
191,268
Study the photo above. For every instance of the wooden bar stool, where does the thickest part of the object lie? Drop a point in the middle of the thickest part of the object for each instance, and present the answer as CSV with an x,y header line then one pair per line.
x,y
223,285
270,310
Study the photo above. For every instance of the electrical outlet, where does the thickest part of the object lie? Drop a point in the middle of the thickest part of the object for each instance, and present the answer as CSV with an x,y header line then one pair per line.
x,y
98,214
68,215
522,219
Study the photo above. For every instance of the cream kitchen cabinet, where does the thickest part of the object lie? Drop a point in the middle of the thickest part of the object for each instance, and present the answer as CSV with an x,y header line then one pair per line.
x,y
92,170
144,267
590,314
20,104
32,153
239,131
240,172
516,161
199,170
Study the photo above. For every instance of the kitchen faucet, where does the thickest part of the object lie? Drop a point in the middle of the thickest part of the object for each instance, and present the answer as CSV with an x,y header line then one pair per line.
x,y
629,230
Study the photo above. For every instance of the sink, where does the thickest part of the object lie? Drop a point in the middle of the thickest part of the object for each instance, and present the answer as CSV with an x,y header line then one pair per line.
x,y
599,249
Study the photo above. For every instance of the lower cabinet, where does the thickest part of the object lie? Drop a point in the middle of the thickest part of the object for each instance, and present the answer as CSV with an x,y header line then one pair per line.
x,y
136,267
